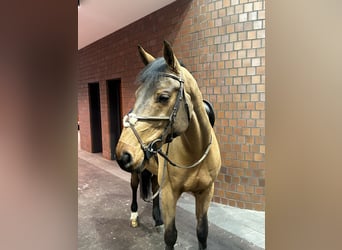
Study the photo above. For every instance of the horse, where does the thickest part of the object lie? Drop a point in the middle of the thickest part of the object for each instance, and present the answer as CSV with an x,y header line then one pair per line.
x,y
148,180
169,120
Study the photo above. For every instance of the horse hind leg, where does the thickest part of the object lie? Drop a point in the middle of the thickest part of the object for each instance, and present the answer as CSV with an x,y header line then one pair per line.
x,y
134,222
156,207
202,204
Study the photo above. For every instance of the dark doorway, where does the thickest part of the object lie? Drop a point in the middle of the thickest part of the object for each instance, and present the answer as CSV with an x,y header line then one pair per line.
x,y
114,113
95,117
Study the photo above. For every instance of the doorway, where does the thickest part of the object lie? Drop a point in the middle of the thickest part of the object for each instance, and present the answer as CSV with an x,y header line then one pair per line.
x,y
114,113
95,117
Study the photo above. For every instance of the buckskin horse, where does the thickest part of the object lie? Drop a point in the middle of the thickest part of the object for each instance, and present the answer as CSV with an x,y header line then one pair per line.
x,y
148,180
169,120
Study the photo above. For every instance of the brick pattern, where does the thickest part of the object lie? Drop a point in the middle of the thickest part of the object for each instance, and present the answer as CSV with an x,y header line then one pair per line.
x,y
230,66
115,57
223,44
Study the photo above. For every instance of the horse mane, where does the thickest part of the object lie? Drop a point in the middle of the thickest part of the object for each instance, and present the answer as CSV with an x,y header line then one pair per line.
x,y
151,73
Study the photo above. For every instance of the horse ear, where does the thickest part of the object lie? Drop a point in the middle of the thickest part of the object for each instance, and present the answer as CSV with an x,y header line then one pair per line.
x,y
145,57
170,58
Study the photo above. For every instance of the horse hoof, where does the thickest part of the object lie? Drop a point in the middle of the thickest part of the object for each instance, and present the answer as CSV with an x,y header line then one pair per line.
x,y
134,223
160,228
134,219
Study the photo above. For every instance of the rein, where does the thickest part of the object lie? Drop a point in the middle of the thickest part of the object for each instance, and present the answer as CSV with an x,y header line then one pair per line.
x,y
192,165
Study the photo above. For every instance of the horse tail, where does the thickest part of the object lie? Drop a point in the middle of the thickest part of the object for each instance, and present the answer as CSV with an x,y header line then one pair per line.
x,y
145,185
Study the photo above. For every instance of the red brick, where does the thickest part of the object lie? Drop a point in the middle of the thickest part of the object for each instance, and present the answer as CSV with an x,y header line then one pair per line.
x,y
249,189
259,190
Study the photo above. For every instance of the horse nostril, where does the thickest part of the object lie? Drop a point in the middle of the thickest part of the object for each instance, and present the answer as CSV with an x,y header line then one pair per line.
x,y
126,158
125,161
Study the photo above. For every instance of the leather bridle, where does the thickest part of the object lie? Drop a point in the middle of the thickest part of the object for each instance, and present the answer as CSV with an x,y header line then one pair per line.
x,y
152,148
131,119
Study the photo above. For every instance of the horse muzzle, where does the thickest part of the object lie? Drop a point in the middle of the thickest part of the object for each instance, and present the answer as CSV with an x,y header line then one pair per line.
x,y
129,157
125,161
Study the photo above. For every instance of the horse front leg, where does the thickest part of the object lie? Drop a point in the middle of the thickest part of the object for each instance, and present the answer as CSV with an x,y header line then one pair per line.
x,y
169,199
156,208
134,205
202,204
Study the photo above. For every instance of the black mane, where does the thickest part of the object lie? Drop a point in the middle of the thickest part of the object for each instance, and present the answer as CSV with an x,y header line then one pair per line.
x,y
151,73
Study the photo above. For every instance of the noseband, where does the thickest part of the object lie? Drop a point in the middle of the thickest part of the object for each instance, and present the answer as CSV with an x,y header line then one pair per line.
x,y
152,148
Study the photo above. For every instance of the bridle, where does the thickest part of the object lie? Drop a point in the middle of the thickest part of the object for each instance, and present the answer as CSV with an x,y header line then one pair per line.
x,y
131,119
152,148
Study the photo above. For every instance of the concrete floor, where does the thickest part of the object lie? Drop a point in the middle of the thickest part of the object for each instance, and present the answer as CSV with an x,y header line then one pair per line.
x,y
104,197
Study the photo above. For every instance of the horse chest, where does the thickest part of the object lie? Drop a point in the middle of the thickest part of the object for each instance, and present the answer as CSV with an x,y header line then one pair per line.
x,y
195,182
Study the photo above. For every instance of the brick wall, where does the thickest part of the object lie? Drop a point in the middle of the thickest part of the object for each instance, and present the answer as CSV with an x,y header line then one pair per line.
x,y
223,44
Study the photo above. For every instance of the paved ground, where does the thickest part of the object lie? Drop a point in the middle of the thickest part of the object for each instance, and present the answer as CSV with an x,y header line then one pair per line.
x,y
104,209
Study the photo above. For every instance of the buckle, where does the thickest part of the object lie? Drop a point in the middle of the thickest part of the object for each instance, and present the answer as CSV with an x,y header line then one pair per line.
x,y
151,149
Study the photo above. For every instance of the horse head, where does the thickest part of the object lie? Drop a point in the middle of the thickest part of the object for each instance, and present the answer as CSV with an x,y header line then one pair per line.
x,y
162,110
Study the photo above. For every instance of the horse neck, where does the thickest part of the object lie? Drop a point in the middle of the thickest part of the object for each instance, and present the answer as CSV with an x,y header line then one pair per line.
x,y
198,134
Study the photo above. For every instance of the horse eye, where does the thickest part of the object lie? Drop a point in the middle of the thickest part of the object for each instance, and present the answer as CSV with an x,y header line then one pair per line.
x,y
163,98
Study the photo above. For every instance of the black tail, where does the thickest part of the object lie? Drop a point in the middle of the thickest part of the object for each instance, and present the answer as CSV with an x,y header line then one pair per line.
x,y
145,185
